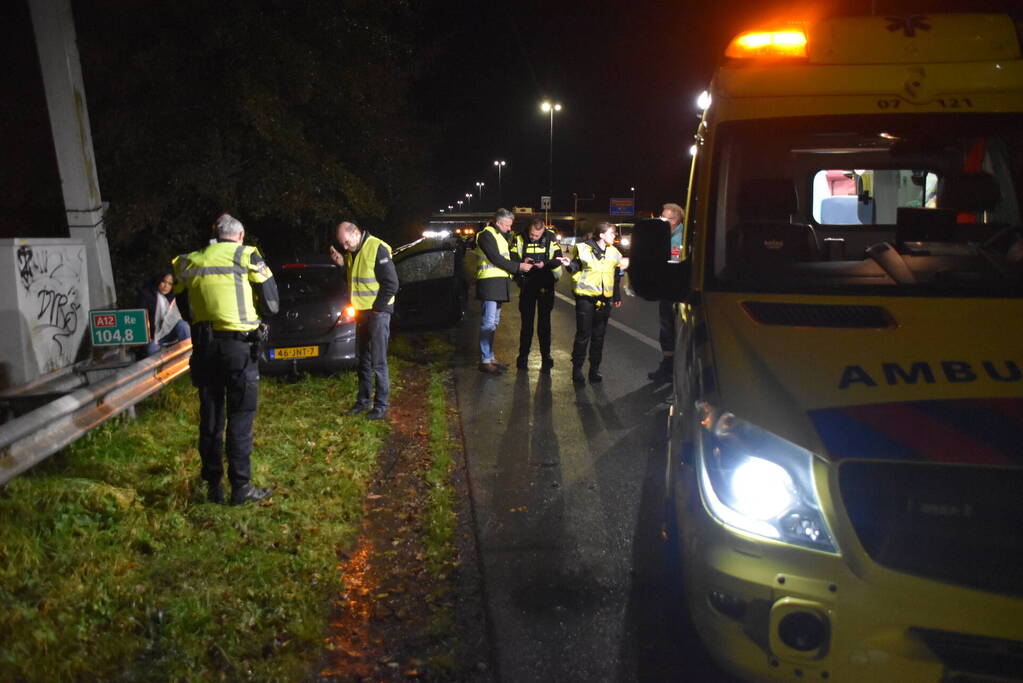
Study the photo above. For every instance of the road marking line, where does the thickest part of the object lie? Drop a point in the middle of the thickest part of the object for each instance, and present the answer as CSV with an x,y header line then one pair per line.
x,y
614,323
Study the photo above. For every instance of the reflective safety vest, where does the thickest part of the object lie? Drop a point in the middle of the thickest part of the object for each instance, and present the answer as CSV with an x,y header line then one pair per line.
x,y
362,276
597,275
486,269
537,251
219,281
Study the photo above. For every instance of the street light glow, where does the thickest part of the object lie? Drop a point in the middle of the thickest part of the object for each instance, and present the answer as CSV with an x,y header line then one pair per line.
x,y
703,101
500,163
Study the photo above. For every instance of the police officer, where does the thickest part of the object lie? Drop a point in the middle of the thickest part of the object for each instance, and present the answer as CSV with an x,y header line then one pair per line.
x,y
494,268
672,214
373,283
596,270
217,282
538,246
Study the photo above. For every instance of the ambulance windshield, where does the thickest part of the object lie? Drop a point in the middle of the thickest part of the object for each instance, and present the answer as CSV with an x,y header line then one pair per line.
x,y
917,203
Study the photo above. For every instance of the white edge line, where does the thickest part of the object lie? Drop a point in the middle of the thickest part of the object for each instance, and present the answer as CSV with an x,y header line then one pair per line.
x,y
614,323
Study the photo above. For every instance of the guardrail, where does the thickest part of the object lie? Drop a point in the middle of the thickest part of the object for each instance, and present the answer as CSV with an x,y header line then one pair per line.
x,y
37,435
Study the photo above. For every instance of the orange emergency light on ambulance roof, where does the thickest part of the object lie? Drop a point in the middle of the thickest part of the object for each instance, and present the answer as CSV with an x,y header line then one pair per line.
x,y
786,42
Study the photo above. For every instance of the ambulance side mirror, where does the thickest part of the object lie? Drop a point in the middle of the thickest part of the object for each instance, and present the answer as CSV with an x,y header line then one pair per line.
x,y
651,274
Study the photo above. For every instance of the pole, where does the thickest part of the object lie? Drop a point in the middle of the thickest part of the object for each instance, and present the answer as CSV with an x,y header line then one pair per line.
x,y
550,191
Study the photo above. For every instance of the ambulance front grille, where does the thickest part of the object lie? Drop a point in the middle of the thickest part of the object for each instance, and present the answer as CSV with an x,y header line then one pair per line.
x,y
816,315
957,524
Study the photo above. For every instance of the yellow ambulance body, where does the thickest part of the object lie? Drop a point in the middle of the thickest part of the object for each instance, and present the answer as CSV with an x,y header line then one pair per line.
x,y
846,438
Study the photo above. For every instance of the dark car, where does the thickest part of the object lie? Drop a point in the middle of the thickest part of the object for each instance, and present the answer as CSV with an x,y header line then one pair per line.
x,y
314,330
434,286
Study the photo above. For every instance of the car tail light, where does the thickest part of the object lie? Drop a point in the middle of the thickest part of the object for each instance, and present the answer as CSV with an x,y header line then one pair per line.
x,y
347,316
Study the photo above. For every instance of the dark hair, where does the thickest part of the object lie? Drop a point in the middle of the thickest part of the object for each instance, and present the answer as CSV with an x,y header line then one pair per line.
x,y
537,221
160,275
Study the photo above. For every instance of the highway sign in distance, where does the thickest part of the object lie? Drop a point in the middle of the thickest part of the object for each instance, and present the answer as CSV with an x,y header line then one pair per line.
x,y
545,202
622,206
128,327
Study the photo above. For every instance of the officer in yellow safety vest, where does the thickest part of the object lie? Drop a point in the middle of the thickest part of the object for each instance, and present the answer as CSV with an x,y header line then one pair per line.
x,y
373,284
539,247
215,286
495,266
596,269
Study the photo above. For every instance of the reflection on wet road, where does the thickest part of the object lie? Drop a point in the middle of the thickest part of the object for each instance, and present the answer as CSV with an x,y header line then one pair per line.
x,y
568,494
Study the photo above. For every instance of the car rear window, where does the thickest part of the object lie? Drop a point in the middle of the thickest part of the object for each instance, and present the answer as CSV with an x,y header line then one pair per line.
x,y
310,282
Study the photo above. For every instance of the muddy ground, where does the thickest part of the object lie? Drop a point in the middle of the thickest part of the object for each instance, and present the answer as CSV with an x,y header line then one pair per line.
x,y
395,619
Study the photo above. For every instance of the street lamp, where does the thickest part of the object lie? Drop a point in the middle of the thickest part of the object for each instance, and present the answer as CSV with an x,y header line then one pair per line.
x,y
633,200
550,107
459,202
468,201
500,163
479,190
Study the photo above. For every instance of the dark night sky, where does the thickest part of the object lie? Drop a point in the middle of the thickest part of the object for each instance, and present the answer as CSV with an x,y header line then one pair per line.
x,y
626,72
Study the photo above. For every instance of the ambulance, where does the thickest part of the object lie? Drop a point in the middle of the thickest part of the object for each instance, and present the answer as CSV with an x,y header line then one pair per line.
x,y
845,451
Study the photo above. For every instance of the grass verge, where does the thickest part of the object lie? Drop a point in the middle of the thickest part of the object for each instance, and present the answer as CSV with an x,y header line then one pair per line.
x,y
113,567
440,514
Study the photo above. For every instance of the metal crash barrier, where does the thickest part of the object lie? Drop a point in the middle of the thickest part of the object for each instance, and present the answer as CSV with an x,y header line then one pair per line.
x,y
33,437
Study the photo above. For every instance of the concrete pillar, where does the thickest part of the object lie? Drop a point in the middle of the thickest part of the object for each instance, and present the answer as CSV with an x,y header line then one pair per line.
x,y
54,28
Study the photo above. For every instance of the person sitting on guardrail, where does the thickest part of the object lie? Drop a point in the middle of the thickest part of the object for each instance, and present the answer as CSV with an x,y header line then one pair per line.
x,y
166,325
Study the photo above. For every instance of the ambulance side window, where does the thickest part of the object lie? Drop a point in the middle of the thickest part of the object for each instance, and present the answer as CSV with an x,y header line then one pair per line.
x,y
870,196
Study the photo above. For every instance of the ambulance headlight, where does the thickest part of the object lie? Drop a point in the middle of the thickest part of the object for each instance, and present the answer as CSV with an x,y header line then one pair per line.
x,y
757,482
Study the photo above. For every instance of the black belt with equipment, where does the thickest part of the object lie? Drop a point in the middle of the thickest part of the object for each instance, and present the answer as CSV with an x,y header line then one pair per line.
x,y
247,336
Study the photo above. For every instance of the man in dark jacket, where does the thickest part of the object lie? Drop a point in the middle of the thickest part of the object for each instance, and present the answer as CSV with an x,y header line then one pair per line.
x,y
372,284
494,269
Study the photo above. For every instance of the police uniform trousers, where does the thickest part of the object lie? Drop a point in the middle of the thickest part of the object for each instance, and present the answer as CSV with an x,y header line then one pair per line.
x,y
536,302
227,377
591,316
372,331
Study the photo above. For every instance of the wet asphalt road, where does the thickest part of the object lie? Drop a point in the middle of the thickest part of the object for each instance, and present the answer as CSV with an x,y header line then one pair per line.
x,y
567,486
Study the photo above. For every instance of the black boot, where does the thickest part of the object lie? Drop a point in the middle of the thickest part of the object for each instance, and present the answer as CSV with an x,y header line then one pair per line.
x,y
215,493
595,376
546,364
522,362
248,493
577,374
664,371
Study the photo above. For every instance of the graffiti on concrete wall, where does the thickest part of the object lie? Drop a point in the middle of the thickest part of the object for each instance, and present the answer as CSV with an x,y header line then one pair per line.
x,y
52,298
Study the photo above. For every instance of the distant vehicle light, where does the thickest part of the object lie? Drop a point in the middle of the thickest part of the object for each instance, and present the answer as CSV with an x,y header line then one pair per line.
x,y
626,241
790,42
703,101
436,233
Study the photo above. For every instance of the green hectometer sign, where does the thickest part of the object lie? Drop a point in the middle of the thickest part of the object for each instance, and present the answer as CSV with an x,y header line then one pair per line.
x,y
128,326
